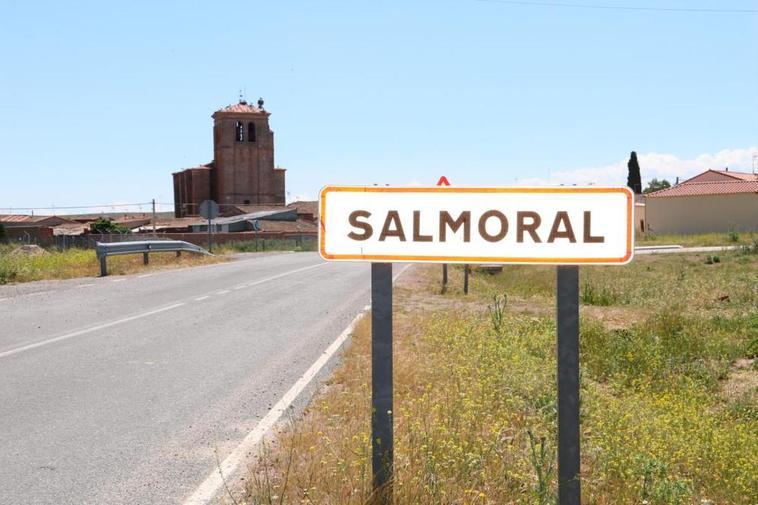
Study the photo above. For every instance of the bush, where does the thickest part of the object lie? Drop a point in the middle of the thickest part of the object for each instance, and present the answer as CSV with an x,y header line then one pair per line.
x,y
106,226
711,259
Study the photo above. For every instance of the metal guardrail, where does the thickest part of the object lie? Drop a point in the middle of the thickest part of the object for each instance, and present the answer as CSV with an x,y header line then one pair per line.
x,y
103,250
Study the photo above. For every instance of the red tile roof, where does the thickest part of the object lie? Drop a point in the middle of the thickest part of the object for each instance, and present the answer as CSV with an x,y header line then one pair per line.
x,y
27,220
305,207
708,188
742,176
242,107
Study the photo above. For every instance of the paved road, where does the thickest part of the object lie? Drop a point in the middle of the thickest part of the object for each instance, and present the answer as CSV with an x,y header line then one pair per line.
x,y
120,389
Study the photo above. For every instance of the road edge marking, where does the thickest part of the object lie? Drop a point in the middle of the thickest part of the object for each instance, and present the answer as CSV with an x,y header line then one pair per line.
x,y
206,491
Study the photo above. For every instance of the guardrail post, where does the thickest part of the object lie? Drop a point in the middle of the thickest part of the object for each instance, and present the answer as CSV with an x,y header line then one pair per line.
x,y
145,258
444,277
567,300
103,266
381,382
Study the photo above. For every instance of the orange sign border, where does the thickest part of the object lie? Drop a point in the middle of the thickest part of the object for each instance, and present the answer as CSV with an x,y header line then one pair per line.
x,y
476,259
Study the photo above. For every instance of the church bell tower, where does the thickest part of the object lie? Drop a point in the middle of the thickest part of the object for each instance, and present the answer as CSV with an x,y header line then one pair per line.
x,y
243,147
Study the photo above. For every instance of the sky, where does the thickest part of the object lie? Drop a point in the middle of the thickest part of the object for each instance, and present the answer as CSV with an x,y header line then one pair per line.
x,y
101,101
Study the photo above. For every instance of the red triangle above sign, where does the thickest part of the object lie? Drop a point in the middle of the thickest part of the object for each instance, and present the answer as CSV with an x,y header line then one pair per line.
x,y
443,181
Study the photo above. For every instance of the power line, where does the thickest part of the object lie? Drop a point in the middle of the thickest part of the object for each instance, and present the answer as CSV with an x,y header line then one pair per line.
x,y
622,7
57,207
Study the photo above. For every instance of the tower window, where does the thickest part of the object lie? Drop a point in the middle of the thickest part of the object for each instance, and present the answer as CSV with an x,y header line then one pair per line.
x,y
239,132
251,132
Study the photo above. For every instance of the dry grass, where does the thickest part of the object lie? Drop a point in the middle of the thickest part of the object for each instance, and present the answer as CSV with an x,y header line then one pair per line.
x,y
669,411
698,239
73,263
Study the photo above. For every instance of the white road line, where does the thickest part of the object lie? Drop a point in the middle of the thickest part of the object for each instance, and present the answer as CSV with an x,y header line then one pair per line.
x,y
239,287
222,292
285,274
84,285
144,275
37,293
21,349
211,485
201,298
3,299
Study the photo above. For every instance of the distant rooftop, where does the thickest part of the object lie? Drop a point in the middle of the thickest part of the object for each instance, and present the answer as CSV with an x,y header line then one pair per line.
x,y
709,188
740,176
244,107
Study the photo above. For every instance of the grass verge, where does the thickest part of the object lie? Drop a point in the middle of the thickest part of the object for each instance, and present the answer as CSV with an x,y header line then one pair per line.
x,y
667,418
70,263
698,239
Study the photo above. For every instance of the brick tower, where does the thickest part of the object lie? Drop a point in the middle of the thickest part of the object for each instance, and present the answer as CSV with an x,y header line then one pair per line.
x,y
242,171
243,148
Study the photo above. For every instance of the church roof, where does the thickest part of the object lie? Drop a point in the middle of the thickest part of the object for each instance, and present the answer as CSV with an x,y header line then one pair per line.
x,y
243,107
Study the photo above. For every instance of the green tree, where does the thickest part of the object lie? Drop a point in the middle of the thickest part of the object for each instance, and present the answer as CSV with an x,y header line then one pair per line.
x,y
103,225
633,179
656,185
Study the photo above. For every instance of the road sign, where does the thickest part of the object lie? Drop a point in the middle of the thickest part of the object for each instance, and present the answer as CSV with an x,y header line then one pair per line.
x,y
209,209
566,226
559,225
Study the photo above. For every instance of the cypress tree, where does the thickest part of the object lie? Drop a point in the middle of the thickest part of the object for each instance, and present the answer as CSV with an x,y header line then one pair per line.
x,y
634,179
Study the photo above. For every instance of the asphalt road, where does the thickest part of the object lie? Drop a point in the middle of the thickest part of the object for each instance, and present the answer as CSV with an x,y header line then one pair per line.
x,y
127,389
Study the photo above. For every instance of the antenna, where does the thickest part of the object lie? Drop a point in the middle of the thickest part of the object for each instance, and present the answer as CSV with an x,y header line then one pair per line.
x,y
755,157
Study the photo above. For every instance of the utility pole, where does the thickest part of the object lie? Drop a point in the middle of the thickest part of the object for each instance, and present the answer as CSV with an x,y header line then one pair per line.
x,y
153,216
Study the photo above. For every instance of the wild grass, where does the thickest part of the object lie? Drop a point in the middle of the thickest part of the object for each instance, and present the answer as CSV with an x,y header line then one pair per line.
x,y
70,263
475,393
268,245
731,237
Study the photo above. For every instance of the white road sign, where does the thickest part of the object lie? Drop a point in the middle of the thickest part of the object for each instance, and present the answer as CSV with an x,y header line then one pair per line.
x,y
560,225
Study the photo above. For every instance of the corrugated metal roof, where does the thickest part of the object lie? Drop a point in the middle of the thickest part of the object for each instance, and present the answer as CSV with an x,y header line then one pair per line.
x,y
708,188
236,210
283,214
299,226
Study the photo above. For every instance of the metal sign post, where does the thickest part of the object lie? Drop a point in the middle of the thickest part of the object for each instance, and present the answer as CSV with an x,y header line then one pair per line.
x,y
567,313
209,210
381,382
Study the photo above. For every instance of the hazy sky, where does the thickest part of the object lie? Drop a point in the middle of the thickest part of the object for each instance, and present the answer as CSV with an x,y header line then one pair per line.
x,y
101,101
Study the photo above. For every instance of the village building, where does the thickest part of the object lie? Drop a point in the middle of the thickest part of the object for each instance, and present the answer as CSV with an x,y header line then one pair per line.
x,y
242,171
713,201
